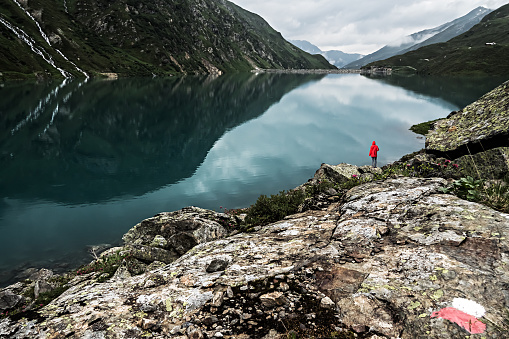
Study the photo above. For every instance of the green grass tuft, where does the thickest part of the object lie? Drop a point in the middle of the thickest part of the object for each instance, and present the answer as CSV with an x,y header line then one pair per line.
x,y
424,127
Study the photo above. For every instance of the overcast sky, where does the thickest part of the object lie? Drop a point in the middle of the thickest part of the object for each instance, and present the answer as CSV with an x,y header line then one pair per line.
x,y
359,26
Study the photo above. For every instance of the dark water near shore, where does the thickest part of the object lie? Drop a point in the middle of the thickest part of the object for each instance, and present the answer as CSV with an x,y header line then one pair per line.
x,y
82,162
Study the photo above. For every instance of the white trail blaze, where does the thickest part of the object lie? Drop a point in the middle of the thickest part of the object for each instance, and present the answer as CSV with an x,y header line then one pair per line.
x,y
469,307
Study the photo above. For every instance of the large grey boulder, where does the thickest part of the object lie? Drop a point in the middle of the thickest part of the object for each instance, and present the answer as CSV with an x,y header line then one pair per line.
x,y
9,300
476,137
479,126
336,173
343,172
167,236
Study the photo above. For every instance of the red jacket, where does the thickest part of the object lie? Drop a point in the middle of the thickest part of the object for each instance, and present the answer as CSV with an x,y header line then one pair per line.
x,y
373,150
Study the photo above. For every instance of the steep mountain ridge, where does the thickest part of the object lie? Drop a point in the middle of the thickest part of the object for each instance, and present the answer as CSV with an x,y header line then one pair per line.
x,y
426,37
484,49
140,38
454,28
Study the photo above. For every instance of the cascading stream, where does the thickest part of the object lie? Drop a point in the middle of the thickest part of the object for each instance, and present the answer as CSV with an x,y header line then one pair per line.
x,y
77,68
45,37
32,44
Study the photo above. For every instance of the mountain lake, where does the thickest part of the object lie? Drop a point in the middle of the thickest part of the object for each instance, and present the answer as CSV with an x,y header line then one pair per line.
x,y
83,161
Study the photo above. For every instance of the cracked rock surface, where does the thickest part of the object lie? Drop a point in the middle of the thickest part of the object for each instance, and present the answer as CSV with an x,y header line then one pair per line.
x,y
479,126
376,265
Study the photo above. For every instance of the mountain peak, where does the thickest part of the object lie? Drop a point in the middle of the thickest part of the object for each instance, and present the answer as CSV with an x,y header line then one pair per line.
x,y
482,49
425,37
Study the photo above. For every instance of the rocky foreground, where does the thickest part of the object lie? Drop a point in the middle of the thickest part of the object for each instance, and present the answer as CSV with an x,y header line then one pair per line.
x,y
393,258
377,265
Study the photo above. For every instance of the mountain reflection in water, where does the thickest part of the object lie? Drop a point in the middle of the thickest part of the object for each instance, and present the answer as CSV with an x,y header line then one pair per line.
x,y
82,162
87,142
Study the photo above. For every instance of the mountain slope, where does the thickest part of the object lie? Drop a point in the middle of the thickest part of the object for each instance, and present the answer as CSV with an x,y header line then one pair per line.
x,y
131,37
334,57
469,53
454,29
414,41
306,46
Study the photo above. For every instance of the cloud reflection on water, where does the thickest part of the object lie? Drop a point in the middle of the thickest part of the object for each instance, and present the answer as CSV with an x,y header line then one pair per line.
x,y
333,120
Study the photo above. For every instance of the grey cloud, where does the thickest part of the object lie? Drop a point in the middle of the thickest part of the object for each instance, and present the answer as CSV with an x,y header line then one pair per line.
x,y
362,26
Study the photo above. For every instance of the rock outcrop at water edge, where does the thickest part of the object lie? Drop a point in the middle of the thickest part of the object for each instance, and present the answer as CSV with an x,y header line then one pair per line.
x,y
480,126
389,261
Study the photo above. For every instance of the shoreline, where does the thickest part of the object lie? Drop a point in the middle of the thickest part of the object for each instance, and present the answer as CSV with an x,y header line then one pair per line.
x,y
307,71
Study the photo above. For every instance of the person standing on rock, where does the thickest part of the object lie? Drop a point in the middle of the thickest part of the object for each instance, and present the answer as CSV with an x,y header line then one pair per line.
x,y
373,150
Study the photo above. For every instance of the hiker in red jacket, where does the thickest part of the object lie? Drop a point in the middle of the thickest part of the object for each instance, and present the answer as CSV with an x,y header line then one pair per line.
x,y
373,153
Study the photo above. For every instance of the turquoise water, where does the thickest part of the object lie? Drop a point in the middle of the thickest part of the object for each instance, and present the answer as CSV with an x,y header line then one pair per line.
x,y
82,162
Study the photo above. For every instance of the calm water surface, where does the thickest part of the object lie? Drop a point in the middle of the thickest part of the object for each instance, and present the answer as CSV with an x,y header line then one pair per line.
x,y
82,162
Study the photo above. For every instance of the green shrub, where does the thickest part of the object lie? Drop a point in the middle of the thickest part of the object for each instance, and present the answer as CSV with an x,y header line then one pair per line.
x,y
494,194
274,208
466,188
322,186
424,127
45,298
447,169
355,180
107,264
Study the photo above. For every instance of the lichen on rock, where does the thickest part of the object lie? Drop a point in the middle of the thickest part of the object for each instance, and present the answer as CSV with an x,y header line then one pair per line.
x,y
167,236
378,263
478,127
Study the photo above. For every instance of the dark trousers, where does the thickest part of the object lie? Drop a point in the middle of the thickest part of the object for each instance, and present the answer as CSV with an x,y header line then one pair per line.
x,y
373,161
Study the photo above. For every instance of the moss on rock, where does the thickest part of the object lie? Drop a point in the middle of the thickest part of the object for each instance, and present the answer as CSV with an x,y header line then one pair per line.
x,y
479,126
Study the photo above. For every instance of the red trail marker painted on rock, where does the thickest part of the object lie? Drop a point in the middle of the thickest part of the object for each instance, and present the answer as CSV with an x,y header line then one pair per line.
x,y
465,320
